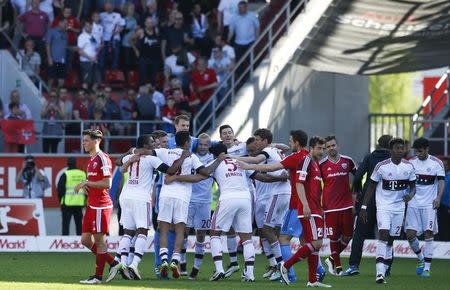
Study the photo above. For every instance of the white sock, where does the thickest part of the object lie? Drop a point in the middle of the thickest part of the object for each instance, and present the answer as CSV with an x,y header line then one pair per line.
x,y
232,249
415,246
249,257
428,253
131,253
163,254
176,257
124,248
268,252
276,250
216,252
199,253
139,249
381,254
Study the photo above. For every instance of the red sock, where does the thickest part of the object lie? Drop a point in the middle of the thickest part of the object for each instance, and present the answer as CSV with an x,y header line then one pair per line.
x,y
109,259
94,249
335,248
342,247
313,261
100,261
301,254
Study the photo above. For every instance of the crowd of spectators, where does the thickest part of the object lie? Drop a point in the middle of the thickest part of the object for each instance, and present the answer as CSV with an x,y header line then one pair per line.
x,y
124,59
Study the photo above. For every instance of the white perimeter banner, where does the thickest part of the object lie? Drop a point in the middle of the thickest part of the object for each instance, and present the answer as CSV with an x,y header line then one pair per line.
x,y
72,244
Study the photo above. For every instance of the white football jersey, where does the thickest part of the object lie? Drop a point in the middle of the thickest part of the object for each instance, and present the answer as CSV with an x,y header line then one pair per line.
x,y
232,180
273,155
393,180
180,190
427,173
139,185
237,150
202,191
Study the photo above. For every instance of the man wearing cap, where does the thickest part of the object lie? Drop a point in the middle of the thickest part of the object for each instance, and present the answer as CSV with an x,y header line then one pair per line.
x,y
71,203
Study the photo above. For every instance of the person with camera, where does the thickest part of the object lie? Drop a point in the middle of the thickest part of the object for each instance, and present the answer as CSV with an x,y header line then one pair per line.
x,y
33,180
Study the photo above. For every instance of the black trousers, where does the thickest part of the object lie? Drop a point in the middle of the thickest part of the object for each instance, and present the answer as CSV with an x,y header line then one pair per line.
x,y
362,231
67,213
444,223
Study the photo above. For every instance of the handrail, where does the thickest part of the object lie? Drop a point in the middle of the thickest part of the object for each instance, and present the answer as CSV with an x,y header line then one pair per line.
x,y
232,79
42,84
445,137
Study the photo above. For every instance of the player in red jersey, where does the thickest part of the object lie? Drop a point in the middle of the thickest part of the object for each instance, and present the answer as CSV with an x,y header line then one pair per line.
x,y
337,202
99,205
309,190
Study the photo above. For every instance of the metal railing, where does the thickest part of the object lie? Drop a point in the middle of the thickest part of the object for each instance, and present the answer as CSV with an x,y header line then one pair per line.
x,y
398,125
118,132
226,91
438,125
41,84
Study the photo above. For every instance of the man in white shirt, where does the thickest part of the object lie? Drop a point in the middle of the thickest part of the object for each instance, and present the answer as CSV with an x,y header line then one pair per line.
x,y
15,98
88,50
227,9
113,24
421,212
390,180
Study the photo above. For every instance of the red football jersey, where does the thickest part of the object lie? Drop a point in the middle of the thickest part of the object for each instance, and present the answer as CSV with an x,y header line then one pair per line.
x,y
309,175
203,79
99,167
336,190
291,163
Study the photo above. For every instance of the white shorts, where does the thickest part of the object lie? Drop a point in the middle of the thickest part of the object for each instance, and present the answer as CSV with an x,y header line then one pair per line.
x,y
233,212
421,220
199,216
391,221
172,210
135,214
276,209
261,211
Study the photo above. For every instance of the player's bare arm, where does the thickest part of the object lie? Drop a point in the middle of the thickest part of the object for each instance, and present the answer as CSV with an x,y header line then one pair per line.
x,y
283,147
261,167
185,178
206,171
252,159
302,195
267,178
369,193
441,187
176,165
412,192
126,165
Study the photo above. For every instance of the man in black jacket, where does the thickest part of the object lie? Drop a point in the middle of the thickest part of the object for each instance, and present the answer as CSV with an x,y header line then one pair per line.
x,y
365,230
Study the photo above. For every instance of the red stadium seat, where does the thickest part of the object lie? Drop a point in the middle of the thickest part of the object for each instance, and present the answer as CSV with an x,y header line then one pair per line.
x,y
115,79
72,81
133,79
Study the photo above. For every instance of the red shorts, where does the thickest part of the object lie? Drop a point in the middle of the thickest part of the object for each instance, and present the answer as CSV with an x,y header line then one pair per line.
x,y
96,220
339,223
312,229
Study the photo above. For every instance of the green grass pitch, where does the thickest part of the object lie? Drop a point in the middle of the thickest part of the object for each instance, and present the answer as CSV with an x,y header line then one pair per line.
x,y
34,271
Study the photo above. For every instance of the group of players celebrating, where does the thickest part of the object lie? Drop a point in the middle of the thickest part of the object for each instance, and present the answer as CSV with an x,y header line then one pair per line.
x,y
174,177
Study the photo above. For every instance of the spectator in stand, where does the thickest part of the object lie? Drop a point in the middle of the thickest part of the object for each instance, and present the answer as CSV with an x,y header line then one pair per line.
x,y
146,43
97,101
99,124
57,42
182,102
151,11
73,29
14,113
51,111
128,31
112,112
47,7
222,66
76,6
6,22
66,104
14,97
146,110
97,28
113,24
88,50
199,30
128,110
204,81
227,9
34,26
227,49
245,28
158,98
179,65
80,107
176,36
31,60
169,113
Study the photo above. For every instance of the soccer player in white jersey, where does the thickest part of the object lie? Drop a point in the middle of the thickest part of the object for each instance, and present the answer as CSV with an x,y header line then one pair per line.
x,y
136,201
421,211
199,214
272,201
390,180
174,201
